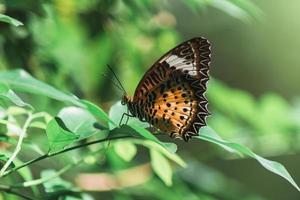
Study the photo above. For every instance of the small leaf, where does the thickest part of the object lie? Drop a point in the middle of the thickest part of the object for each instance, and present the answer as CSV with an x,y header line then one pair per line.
x,y
161,167
3,158
125,149
171,147
54,184
58,135
272,166
7,93
115,114
4,138
78,120
96,111
144,133
10,20
153,145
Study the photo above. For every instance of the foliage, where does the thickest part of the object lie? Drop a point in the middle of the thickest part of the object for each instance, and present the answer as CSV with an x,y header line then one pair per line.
x,y
64,132
57,145
10,20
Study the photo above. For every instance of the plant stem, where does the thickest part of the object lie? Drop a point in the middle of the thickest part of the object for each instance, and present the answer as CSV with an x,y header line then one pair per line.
x,y
63,151
58,173
19,145
9,190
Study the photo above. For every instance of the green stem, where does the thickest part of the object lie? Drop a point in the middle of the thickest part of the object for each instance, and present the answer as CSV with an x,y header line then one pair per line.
x,y
9,190
58,173
62,151
19,145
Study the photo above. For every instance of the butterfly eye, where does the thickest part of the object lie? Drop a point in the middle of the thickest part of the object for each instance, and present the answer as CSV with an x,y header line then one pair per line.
x,y
124,100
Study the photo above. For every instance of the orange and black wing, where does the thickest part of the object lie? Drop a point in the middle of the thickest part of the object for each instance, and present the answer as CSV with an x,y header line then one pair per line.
x,y
172,90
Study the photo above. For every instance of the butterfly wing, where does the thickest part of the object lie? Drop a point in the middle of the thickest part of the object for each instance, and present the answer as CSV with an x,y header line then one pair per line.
x,y
171,93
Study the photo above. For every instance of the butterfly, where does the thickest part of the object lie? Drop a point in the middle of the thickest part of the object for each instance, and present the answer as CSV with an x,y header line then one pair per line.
x,y
170,96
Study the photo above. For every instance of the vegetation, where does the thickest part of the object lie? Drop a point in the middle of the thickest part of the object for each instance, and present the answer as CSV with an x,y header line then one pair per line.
x,y
60,136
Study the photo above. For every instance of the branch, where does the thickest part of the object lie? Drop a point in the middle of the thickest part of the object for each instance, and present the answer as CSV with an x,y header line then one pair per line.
x,y
19,145
9,190
57,173
62,151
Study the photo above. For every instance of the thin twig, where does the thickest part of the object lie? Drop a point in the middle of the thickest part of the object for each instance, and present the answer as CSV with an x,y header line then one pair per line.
x,y
62,151
9,190
58,173
19,145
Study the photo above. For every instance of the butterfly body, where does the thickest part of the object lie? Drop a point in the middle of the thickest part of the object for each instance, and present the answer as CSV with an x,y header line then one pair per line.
x,y
170,96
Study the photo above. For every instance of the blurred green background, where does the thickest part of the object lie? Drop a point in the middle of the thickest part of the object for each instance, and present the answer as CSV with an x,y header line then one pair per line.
x,y
253,93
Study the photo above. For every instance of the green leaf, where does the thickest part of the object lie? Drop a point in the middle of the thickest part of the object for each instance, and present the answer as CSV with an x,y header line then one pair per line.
x,y
20,80
96,111
3,158
10,20
153,145
161,167
54,184
70,198
4,138
7,93
125,149
144,133
79,121
15,110
272,166
58,135
172,148
115,113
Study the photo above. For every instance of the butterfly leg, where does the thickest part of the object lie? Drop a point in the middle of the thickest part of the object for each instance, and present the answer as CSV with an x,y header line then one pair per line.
x,y
127,115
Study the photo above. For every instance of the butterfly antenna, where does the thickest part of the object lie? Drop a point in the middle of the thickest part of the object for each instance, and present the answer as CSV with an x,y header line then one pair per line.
x,y
114,83
116,78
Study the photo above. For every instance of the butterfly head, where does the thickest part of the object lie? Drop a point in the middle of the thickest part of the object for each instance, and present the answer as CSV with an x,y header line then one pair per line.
x,y
126,99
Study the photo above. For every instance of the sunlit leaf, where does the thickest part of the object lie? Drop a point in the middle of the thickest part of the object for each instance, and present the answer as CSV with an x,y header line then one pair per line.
x,y
58,135
144,133
96,111
78,120
125,149
153,145
161,167
272,166
15,110
8,94
13,128
172,147
20,80
115,114
10,20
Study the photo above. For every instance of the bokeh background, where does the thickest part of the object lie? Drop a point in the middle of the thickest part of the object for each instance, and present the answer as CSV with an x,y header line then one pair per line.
x,y
253,92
